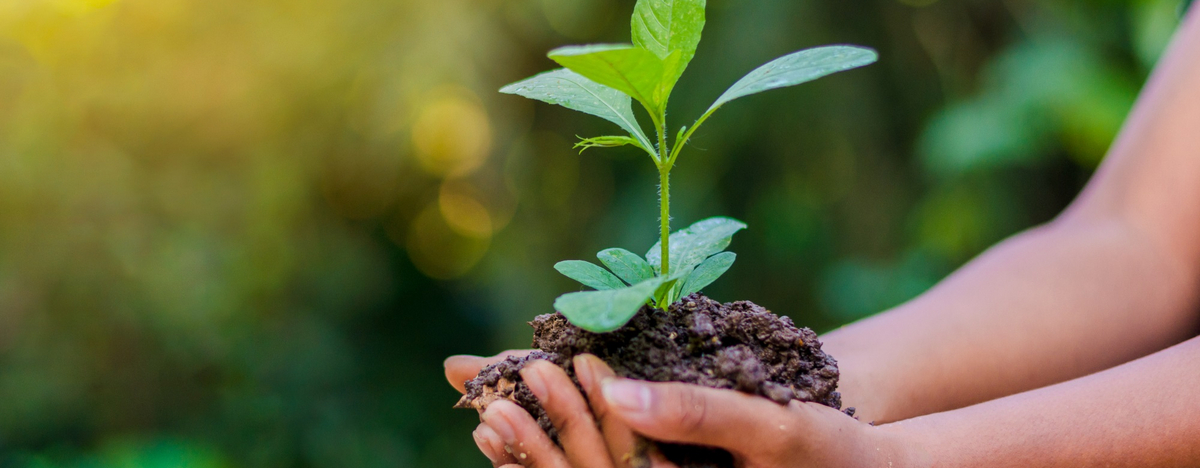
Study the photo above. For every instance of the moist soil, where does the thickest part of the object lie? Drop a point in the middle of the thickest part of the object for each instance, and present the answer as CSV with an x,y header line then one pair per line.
x,y
737,345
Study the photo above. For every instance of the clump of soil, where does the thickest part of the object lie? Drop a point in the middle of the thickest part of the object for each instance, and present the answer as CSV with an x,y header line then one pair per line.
x,y
738,345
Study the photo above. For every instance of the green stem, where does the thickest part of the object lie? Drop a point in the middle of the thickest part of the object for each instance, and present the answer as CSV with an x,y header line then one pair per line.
x,y
664,188
670,160
664,197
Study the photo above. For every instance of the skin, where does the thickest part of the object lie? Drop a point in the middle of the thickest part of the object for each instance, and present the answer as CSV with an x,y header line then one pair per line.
x,y
1071,344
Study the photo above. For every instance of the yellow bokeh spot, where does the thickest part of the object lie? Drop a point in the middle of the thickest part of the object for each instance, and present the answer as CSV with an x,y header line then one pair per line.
x,y
452,136
79,7
462,212
438,250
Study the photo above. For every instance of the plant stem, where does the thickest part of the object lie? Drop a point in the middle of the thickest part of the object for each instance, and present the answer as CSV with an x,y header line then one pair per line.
x,y
670,160
664,188
664,197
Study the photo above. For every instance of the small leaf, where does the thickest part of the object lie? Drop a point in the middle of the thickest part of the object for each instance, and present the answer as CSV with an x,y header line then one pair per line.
x,y
693,244
627,265
664,27
673,66
707,272
678,277
589,274
796,68
632,70
605,311
665,295
606,142
573,91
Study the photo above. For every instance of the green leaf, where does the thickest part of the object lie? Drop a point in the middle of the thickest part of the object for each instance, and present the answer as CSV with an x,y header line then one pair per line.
x,y
663,296
632,70
680,276
605,311
796,68
666,26
589,274
573,91
693,244
707,272
673,66
627,265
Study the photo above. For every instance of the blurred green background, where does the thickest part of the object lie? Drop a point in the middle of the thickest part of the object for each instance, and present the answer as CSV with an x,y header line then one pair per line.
x,y
246,233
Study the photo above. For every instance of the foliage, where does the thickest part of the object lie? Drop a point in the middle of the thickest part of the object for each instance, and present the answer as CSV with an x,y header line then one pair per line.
x,y
601,80
700,260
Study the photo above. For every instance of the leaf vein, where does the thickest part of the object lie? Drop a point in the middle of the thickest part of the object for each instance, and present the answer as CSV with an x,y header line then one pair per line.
x,y
647,27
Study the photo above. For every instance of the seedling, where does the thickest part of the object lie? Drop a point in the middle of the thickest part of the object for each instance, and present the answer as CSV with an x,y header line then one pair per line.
x,y
603,80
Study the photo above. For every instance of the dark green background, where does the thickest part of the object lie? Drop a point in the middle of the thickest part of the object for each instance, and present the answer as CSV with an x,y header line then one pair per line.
x,y
247,233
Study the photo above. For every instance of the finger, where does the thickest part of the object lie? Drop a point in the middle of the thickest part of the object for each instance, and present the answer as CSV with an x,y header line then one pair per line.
x,y
690,414
492,446
529,444
463,367
483,445
617,436
569,412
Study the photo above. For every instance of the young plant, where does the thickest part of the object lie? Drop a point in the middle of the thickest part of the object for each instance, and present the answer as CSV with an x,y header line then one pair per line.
x,y
602,80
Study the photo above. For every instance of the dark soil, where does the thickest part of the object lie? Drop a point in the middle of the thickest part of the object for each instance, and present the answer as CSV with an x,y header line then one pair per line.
x,y
737,346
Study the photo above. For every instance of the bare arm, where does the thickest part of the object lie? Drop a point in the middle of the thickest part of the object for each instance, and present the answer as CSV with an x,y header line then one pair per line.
x,y
1114,278
1140,414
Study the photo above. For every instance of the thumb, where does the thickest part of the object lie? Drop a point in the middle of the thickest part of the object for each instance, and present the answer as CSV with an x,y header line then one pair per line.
x,y
682,413
462,368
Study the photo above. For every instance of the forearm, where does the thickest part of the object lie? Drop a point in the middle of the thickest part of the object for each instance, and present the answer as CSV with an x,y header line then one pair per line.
x,y
1048,305
1141,414
1114,278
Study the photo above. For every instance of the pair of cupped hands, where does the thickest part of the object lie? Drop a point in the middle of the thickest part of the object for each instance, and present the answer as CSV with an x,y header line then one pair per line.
x,y
597,428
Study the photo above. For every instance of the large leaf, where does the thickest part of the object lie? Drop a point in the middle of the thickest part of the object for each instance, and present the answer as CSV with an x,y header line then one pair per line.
x,y
796,68
693,244
632,70
589,274
666,26
604,311
627,265
573,91
707,272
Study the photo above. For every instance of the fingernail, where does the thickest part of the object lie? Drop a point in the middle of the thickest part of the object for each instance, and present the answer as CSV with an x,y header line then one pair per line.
x,y
499,422
626,394
583,371
534,379
484,445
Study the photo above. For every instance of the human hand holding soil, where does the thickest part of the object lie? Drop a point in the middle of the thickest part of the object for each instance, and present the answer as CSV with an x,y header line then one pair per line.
x,y
597,431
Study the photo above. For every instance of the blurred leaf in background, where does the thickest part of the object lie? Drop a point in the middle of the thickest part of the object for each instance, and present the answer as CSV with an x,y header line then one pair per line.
x,y
245,234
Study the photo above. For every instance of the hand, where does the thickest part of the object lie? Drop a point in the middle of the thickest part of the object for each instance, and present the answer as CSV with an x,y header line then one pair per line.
x,y
758,432
461,368
518,441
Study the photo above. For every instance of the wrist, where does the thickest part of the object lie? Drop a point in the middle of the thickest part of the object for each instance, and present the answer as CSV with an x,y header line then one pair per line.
x,y
901,446
866,383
